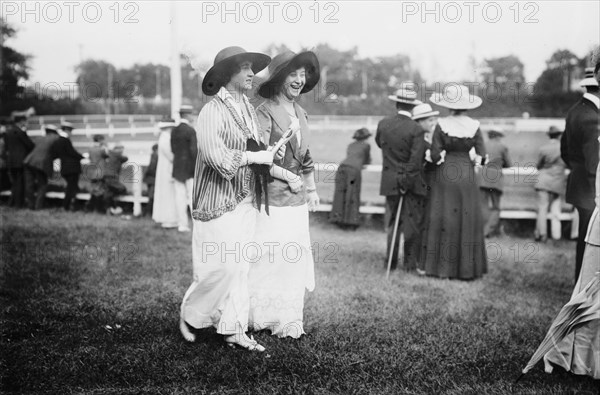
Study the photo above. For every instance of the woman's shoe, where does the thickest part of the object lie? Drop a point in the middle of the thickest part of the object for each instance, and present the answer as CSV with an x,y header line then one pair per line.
x,y
245,342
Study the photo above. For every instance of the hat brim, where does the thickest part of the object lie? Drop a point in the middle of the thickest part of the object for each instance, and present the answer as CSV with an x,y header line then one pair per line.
x,y
494,133
428,114
463,103
218,75
308,60
397,99
165,125
588,82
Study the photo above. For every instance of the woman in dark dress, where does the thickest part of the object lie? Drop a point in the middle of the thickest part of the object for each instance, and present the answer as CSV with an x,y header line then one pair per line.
x,y
454,245
346,197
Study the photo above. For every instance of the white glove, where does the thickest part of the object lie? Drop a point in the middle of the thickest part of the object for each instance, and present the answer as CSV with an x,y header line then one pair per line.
x,y
296,184
280,153
312,199
428,156
260,157
442,158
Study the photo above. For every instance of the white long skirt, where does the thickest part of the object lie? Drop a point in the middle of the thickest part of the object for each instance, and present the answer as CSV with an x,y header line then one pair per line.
x,y
164,211
285,269
222,250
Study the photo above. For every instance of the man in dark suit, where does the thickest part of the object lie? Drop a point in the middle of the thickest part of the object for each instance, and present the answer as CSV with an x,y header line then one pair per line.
x,y
70,162
579,150
491,181
39,168
403,147
185,148
18,145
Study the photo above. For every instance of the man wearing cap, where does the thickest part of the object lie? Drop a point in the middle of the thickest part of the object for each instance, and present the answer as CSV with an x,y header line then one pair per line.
x,y
185,149
18,145
491,181
70,162
403,147
579,150
38,168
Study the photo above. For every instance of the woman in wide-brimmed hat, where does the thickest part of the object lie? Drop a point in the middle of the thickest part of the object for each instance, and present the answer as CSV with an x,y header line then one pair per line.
x,y
279,279
346,197
454,245
224,200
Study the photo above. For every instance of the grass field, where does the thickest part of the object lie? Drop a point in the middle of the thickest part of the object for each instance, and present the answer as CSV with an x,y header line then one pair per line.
x,y
90,305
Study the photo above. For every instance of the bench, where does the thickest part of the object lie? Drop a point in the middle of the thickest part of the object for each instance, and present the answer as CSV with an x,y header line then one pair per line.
x,y
323,207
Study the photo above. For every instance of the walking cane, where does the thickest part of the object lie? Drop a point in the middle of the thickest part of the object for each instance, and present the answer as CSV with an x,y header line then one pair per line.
x,y
400,242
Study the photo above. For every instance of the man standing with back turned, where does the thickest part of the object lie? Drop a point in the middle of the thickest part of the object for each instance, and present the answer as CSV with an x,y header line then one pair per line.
x,y
185,148
579,150
403,147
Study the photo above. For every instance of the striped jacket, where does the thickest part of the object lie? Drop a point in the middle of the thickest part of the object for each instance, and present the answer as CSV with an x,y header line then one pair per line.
x,y
221,180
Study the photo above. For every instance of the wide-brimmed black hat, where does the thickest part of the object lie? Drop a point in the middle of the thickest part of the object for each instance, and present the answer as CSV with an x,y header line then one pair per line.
x,y
361,134
219,73
285,63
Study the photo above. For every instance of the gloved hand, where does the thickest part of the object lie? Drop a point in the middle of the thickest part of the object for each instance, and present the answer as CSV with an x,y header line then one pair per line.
x,y
296,184
312,200
442,158
280,152
263,157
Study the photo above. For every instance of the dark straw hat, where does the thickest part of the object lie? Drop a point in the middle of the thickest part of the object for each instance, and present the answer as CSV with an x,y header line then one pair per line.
x,y
495,133
554,132
361,134
285,63
218,75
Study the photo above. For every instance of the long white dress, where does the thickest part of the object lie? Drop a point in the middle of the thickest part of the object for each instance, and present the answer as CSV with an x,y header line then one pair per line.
x,y
164,211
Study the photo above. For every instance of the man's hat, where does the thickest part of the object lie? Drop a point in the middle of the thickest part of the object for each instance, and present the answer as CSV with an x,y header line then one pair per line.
x,y
186,109
166,123
554,131
66,125
98,138
405,95
588,78
218,75
49,128
285,63
361,134
495,133
423,111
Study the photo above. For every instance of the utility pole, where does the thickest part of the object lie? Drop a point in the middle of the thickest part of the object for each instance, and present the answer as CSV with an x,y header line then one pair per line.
x,y
110,89
158,96
176,89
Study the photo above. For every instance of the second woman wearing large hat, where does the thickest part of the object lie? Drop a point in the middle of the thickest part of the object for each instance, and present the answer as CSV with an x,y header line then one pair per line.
x,y
277,282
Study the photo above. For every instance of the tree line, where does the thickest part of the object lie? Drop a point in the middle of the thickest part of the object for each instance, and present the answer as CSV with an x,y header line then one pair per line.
x,y
350,85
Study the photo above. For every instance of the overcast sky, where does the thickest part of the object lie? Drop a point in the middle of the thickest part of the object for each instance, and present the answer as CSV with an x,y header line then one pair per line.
x,y
140,31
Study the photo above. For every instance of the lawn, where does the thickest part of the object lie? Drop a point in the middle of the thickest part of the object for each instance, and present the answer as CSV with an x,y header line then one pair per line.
x,y
90,305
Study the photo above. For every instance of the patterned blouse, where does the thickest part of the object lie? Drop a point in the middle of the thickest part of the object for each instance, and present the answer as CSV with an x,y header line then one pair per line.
x,y
221,180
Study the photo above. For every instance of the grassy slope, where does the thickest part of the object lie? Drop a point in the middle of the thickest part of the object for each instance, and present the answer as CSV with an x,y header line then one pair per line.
x,y
367,335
